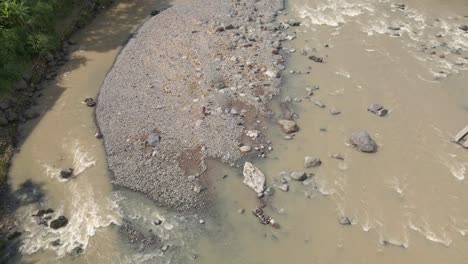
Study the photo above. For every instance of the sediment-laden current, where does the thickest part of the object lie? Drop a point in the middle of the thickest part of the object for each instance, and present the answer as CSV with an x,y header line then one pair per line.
x,y
403,203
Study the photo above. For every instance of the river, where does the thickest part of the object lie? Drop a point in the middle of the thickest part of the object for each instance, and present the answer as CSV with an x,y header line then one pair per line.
x,y
406,202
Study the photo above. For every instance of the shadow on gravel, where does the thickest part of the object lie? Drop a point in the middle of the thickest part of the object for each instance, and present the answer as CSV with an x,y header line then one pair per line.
x,y
28,193
102,34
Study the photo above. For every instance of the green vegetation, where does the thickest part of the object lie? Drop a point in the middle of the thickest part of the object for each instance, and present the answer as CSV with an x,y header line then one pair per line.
x,y
28,29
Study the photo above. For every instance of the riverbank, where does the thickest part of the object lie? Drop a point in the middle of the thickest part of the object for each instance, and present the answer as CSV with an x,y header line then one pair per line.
x,y
193,83
17,104
22,104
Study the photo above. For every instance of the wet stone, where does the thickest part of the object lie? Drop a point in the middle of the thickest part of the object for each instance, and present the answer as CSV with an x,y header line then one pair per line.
x,y
373,108
56,243
78,250
293,23
284,187
298,175
60,222
310,162
66,173
377,109
363,142
344,220
42,212
90,102
316,59
334,111
288,126
319,104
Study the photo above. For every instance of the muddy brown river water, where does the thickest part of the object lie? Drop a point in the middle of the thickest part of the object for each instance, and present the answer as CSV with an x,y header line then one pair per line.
x,y
407,202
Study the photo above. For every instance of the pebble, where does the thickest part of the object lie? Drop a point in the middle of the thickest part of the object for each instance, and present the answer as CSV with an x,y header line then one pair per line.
x,y
241,211
201,221
157,222
245,149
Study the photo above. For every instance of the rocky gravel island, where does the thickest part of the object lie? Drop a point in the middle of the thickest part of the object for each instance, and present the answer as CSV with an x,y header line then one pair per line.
x,y
191,84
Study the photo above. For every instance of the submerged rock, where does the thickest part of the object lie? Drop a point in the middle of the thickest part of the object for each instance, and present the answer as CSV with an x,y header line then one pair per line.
x,y
77,250
288,126
363,142
254,178
334,111
337,156
60,222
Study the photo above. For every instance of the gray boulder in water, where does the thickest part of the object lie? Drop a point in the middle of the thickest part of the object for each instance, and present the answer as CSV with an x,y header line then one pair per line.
x,y
363,142
60,222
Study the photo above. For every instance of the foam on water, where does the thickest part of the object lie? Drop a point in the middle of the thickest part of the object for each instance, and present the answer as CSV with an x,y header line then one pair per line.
x,y
85,213
419,34
425,230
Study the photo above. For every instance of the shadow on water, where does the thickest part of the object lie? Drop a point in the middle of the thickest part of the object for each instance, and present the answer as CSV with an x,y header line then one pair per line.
x,y
28,193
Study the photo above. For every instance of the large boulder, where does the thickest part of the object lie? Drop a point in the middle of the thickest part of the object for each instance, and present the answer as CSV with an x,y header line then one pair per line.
x,y
363,142
254,178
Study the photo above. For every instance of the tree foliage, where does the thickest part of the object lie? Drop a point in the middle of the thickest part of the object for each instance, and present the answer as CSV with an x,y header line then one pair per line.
x,y
27,30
